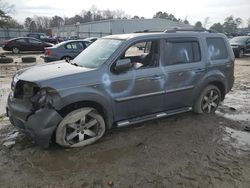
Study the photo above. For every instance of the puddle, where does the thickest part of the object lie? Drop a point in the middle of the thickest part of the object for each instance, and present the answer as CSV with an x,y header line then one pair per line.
x,y
238,99
236,106
235,116
241,139
4,92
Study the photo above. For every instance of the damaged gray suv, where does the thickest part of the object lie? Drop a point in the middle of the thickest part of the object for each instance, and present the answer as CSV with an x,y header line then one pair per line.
x,y
121,80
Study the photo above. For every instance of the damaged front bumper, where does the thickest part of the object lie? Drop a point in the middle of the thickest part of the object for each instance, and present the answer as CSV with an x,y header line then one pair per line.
x,y
39,125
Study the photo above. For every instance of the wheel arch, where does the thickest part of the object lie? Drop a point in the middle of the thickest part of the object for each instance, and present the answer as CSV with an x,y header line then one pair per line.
x,y
62,58
88,103
217,79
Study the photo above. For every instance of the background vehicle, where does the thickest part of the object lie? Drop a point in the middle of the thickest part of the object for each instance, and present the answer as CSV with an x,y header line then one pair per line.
x,y
240,45
25,44
43,37
91,39
114,83
67,50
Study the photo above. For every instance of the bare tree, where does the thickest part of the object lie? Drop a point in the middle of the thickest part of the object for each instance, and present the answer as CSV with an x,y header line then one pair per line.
x,y
206,22
5,9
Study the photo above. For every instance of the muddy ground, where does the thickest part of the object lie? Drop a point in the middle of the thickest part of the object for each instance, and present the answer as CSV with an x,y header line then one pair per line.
x,y
185,150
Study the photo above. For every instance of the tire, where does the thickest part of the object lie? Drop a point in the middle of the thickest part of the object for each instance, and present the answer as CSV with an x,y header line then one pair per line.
x,y
15,50
240,53
208,101
67,58
80,128
5,60
28,59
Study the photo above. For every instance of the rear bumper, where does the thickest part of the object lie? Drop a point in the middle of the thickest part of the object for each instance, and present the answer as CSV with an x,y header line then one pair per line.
x,y
39,125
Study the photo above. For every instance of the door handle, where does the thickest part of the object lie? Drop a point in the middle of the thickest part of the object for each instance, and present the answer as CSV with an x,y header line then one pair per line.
x,y
156,77
198,71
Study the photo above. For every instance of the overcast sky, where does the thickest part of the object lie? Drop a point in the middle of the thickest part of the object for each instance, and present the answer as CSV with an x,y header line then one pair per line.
x,y
194,10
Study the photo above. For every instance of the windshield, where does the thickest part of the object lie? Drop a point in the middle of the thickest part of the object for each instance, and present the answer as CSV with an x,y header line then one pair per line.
x,y
239,39
97,53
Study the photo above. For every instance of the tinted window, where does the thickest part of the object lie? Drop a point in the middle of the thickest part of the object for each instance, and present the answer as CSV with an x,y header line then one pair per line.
x,y
81,45
32,41
181,51
33,35
21,40
72,45
216,48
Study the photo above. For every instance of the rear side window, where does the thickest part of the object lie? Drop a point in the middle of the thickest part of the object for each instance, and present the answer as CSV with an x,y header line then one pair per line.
x,y
75,46
181,51
216,48
21,40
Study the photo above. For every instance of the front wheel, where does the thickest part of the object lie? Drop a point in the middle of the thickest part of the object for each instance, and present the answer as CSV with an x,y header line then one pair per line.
x,y
208,101
241,53
80,127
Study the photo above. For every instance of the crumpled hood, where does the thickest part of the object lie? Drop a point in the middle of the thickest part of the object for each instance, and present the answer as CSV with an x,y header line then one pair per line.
x,y
49,71
54,74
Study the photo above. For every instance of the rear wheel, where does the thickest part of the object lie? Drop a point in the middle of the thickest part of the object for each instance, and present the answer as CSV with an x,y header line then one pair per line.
x,y
241,53
15,50
79,128
208,100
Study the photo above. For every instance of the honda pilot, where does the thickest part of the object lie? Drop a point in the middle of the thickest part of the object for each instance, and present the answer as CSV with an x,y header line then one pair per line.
x,y
121,80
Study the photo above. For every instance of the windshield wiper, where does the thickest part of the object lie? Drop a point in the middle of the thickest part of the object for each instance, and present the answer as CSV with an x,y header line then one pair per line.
x,y
75,64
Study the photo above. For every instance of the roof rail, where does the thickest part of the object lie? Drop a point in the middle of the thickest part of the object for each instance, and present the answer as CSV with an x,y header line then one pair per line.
x,y
176,29
148,31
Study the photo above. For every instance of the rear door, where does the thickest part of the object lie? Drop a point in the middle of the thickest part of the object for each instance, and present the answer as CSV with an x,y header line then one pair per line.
x,y
35,45
183,67
22,44
72,49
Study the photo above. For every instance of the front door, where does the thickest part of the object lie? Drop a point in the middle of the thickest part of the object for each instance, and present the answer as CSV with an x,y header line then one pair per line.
x,y
140,90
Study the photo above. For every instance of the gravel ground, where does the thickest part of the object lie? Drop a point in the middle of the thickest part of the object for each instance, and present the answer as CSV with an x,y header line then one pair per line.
x,y
185,150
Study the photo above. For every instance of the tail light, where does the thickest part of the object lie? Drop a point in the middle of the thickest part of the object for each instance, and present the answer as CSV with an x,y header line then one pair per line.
x,y
48,52
6,42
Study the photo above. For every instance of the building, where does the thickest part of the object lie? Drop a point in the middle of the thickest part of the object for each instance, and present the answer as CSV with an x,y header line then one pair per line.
x,y
117,26
9,33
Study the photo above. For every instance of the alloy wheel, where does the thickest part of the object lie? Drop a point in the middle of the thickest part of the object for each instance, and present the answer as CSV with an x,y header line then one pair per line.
x,y
210,101
15,50
241,53
80,128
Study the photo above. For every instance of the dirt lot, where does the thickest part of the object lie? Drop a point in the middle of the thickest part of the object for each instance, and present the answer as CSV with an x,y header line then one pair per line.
x,y
186,150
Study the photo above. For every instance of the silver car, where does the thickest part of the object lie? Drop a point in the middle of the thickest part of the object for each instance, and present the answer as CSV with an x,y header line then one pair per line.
x,y
66,50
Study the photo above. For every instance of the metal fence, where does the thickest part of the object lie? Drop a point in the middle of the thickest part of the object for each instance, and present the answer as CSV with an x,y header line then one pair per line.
x,y
8,33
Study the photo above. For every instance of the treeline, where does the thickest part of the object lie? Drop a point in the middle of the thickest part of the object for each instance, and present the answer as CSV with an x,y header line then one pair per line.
x,y
42,23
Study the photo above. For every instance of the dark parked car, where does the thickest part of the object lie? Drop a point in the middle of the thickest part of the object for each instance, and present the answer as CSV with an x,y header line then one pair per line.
x,y
67,50
240,45
91,39
25,44
43,37
113,83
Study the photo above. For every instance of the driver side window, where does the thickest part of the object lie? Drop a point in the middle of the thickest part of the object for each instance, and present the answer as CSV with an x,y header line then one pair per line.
x,y
143,54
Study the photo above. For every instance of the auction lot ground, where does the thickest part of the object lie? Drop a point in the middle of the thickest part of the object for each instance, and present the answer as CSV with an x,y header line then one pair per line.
x,y
186,150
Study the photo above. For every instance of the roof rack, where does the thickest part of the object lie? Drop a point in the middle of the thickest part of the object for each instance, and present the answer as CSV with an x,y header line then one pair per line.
x,y
148,31
176,29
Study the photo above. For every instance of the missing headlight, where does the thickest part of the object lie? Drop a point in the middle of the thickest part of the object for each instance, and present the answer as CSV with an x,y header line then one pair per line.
x,y
25,89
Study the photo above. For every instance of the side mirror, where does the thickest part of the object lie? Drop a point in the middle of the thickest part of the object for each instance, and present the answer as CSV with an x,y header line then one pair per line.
x,y
123,65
